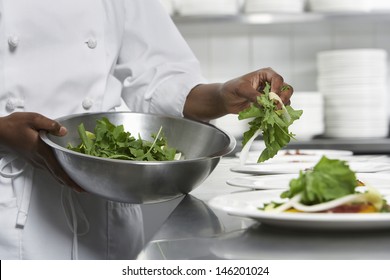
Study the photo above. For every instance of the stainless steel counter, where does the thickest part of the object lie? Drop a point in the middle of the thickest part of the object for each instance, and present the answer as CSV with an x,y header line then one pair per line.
x,y
196,231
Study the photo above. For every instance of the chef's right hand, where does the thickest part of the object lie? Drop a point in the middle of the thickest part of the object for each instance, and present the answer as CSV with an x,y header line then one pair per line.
x,y
20,133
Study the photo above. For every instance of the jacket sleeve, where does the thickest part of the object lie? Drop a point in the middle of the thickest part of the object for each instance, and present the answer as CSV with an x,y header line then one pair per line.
x,y
155,64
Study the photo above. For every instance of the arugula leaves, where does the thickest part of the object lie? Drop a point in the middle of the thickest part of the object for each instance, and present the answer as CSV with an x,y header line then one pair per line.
x,y
271,122
330,179
111,141
329,185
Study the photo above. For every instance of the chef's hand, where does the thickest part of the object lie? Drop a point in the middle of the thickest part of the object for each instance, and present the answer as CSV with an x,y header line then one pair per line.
x,y
240,92
209,101
20,133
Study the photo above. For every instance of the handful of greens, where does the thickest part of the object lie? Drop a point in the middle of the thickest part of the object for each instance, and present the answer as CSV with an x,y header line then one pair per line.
x,y
110,141
270,121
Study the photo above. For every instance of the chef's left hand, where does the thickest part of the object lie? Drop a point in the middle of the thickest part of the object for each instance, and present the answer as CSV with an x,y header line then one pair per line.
x,y
19,132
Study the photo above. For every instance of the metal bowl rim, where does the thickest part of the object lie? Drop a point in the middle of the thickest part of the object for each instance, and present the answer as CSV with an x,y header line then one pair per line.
x,y
227,149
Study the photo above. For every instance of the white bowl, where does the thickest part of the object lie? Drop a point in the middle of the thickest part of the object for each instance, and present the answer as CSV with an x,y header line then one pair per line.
x,y
351,123
361,92
351,57
380,5
232,125
272,6
307,97
358,132
169,6
340,5
207,7
352,81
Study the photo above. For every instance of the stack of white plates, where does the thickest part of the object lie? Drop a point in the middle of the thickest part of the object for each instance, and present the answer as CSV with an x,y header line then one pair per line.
x,y
207,7
354,85
271,6
340,5
311,123
232,125
169,6
380,5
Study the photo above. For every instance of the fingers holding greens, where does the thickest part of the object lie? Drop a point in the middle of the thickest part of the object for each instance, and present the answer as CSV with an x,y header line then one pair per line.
x,y
272,122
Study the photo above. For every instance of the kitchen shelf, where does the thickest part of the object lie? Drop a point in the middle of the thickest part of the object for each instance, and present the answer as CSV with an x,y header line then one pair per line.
x,y
277,18
362,146
358,146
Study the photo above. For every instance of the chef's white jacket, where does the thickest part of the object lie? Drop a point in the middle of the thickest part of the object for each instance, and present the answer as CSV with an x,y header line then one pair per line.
x,y
72,56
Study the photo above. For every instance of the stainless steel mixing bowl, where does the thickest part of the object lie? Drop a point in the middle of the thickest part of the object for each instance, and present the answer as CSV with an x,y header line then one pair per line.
x,y
139,181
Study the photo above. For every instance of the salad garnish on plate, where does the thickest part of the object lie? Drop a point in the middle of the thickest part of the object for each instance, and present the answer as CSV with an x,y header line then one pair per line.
x,y
330,187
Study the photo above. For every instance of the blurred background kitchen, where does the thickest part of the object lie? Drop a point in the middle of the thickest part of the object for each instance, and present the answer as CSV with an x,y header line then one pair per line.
x,y
334,53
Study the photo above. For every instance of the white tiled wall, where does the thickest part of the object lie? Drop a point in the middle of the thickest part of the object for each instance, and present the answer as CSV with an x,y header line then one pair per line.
x,y
227,50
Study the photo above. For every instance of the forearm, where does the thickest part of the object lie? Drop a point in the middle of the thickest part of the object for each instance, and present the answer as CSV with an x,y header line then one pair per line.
x,y
205,103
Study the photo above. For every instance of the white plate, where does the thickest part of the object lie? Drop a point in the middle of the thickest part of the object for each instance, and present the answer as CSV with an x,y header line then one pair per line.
x,y
295,167
246,204
295,155
315,152
252,158
277,182
205,7
268,182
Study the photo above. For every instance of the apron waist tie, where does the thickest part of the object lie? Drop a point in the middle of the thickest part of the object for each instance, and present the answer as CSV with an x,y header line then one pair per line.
x,y
10,161
11,166
74,214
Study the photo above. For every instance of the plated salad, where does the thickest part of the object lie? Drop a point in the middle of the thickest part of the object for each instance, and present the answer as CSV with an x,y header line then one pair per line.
x,y
330,187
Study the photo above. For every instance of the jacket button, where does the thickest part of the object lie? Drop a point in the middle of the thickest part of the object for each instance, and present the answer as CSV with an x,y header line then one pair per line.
x,y
14,103
13,41
91,43
87,103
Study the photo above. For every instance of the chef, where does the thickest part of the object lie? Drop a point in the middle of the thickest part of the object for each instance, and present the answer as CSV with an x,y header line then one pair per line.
x,y
70,56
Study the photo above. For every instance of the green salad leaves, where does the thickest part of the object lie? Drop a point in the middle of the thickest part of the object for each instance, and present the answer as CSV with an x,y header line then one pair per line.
x,y
111,141
328,186
269,121
330,179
